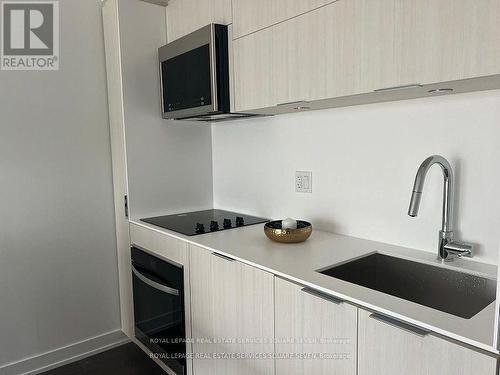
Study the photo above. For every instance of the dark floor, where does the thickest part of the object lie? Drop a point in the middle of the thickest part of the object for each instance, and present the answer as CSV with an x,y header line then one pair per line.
x,y
124,360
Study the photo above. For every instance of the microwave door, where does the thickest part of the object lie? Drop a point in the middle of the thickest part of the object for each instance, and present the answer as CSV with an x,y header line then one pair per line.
x,y
188,76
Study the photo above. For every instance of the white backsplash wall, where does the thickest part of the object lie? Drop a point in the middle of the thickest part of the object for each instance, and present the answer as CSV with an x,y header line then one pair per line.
x,y
364,160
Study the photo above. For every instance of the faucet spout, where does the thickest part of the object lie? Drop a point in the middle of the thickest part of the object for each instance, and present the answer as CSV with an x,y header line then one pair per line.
x,y
416,196
446,232
448,190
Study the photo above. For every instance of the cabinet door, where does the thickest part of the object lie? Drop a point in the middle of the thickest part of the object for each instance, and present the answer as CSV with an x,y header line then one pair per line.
x,y
315,325
385,349
342,49
445,40
253,72
186,16
251,16
232,314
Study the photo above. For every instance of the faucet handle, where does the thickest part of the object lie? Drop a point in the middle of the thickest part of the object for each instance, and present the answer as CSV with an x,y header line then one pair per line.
x,y
460,249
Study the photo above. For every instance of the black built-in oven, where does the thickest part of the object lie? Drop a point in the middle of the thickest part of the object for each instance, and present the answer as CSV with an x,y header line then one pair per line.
x,y
158,287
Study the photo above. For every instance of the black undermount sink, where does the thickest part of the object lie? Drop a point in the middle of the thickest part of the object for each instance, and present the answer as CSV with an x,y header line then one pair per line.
x,y
453,292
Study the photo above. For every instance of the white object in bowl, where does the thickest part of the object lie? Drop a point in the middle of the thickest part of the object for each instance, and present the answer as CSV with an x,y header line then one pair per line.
x,y
289,223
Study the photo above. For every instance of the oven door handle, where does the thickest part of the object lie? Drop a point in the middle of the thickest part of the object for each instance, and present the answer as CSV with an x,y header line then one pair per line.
x,y
154,284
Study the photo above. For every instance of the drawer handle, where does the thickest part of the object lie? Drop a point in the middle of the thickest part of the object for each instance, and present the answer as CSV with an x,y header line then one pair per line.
x,y
399,324
327,297
223,257
404,87
293,103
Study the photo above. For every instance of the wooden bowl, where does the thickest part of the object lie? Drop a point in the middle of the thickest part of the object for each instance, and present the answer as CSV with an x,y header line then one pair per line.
x,y
274,232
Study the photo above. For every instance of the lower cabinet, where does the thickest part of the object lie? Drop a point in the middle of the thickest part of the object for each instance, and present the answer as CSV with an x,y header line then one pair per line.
x,y
246,321
232,307
390,348
315,333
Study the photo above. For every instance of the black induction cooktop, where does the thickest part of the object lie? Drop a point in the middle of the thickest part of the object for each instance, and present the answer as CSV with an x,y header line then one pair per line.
x,y
200,222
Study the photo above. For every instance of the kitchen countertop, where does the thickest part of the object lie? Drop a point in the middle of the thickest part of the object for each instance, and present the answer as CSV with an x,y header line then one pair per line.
x,y
299,262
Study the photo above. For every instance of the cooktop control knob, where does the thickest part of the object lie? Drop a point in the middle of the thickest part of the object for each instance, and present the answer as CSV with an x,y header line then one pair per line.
x,y
200,228
227,223
239,221
214,226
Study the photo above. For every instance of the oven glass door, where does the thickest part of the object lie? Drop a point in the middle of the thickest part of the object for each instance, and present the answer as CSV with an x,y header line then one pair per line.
x,y
159,308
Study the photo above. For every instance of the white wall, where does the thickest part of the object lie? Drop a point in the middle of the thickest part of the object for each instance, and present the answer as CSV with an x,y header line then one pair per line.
x,y
58,271
364,161
169,162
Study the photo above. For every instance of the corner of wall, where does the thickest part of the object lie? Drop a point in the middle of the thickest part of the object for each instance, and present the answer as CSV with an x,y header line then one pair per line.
x,y
212,148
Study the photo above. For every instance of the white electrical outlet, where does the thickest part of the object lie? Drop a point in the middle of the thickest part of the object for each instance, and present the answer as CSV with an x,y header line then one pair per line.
x,y
303,182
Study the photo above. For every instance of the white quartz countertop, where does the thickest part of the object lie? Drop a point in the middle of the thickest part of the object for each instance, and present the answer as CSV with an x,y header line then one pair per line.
x,y
300,262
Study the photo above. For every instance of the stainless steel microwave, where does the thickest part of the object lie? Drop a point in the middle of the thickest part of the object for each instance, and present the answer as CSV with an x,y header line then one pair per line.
x,y
194,72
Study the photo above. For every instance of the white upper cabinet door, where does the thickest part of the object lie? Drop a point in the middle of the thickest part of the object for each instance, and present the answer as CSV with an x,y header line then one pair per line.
x,y
186,16
232,314
313,325
446,40
252,15
254,76
344,48
386,349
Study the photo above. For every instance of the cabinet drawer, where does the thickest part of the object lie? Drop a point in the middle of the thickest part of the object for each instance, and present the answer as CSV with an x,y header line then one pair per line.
x,y
388,349
312,324
232,315
161,244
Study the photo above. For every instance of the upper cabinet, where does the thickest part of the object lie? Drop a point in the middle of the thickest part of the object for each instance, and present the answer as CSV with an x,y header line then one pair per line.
x,y
352,47
186,16
446,40
344,48
251,16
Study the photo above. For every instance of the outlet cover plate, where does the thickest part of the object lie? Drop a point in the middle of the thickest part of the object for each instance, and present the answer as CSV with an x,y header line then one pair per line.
x,y
303,182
